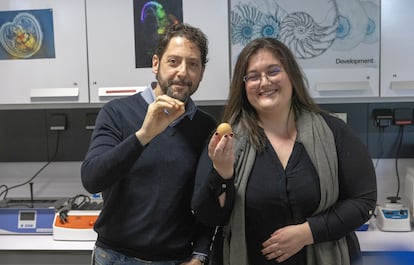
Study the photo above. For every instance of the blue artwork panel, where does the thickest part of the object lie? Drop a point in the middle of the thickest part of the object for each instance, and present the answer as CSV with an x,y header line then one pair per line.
x,y
26,34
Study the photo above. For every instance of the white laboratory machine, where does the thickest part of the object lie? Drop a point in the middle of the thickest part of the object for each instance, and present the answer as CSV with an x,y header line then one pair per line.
x,y
393,217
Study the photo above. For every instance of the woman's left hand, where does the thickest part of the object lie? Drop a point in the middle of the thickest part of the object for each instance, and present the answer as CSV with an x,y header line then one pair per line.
x,y
287,241
221,153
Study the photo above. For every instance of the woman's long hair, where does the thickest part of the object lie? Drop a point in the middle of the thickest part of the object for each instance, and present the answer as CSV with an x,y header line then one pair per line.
x,y
238,109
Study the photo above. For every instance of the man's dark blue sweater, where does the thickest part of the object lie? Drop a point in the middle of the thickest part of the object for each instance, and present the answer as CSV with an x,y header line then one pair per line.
x,y
147,190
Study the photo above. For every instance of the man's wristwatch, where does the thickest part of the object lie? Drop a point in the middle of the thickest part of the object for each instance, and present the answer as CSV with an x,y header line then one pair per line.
x,y
203,259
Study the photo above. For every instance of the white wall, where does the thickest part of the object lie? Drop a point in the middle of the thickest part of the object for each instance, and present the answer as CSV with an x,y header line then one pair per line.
x,y
59,179
387,179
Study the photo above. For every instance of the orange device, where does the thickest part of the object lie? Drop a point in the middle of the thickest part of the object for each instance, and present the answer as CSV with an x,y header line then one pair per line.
x,y
78,225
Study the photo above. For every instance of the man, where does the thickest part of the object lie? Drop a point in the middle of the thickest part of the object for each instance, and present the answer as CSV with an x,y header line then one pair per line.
x,y
143,156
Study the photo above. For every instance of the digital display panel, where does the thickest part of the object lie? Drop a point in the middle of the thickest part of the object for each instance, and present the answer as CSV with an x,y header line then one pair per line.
x,y
27,216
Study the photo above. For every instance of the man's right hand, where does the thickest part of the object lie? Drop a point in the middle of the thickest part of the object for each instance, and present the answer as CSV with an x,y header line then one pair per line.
x,y
160,114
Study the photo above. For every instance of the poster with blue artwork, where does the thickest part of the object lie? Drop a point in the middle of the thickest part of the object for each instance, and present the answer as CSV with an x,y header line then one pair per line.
x,y
321,33
26,34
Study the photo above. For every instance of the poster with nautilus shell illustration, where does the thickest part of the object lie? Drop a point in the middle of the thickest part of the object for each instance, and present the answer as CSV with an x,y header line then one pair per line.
x,y
321,33
26,34
150,20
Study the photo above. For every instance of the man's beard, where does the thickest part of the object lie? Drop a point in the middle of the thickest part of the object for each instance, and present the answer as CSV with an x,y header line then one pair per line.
x,y
182,96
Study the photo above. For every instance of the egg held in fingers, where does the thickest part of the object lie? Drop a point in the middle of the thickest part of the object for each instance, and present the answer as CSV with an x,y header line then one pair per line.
x,y
224,128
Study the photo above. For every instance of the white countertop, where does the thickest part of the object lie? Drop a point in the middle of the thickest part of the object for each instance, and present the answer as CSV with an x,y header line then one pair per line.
x,y
41,242
372,240
376,240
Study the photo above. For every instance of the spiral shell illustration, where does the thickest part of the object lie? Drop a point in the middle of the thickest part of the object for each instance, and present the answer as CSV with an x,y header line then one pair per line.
x,y
244,22
353,25
309,29
373,31
304,36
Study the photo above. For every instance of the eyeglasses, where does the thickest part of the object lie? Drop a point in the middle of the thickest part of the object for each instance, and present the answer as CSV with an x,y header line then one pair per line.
x,y
254,79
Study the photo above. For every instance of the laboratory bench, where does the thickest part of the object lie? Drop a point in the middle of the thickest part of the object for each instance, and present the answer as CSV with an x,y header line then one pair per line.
x,y
43,249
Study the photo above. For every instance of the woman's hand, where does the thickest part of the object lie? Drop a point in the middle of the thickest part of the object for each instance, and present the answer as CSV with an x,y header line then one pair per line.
x,y
287,241
221,152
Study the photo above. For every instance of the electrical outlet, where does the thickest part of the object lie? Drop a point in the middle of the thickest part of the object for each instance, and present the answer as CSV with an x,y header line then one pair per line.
x,y
403,116
383,117
57,122
90,121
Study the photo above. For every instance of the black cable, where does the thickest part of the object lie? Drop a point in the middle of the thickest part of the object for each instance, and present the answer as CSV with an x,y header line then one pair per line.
x,y
75,203
381,145
36,174
397,156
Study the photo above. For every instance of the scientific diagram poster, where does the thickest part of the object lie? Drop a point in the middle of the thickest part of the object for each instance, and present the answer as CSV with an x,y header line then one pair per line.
x,y
26,34
150,20
321,33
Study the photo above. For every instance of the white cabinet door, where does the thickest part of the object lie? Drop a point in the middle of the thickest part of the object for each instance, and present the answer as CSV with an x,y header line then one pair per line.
x,y
397,50
112,55
349,68
43,56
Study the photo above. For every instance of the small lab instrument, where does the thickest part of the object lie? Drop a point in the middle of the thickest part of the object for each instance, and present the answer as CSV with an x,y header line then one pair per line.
x,y
28,216
76,221
393,217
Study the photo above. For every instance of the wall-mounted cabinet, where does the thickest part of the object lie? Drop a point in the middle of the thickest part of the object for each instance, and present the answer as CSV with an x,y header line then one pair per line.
x,y
43,55
92,54
337,42
343,48
343,83
94,57
112,54
397,55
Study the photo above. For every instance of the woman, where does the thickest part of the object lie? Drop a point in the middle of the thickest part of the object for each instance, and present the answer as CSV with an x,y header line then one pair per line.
x,y
291,183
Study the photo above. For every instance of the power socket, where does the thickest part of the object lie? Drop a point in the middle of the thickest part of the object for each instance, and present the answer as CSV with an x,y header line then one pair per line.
x,y
383,117
90,121
57,122
403,116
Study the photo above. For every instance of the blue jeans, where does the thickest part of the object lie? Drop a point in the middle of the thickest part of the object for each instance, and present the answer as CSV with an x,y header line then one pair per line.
x,y
101,256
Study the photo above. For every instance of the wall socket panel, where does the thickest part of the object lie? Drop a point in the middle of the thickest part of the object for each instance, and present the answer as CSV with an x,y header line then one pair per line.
x,y
403,116
57,122
390,123
383,117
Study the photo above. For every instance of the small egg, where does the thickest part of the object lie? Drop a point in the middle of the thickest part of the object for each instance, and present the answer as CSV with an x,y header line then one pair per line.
x,y
224,128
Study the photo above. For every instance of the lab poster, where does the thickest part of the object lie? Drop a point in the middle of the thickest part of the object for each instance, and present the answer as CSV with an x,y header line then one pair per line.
x,y
26,34
150,20
333,34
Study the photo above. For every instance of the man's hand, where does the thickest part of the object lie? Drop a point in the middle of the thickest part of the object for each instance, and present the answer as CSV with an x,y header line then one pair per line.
x,y
160,114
